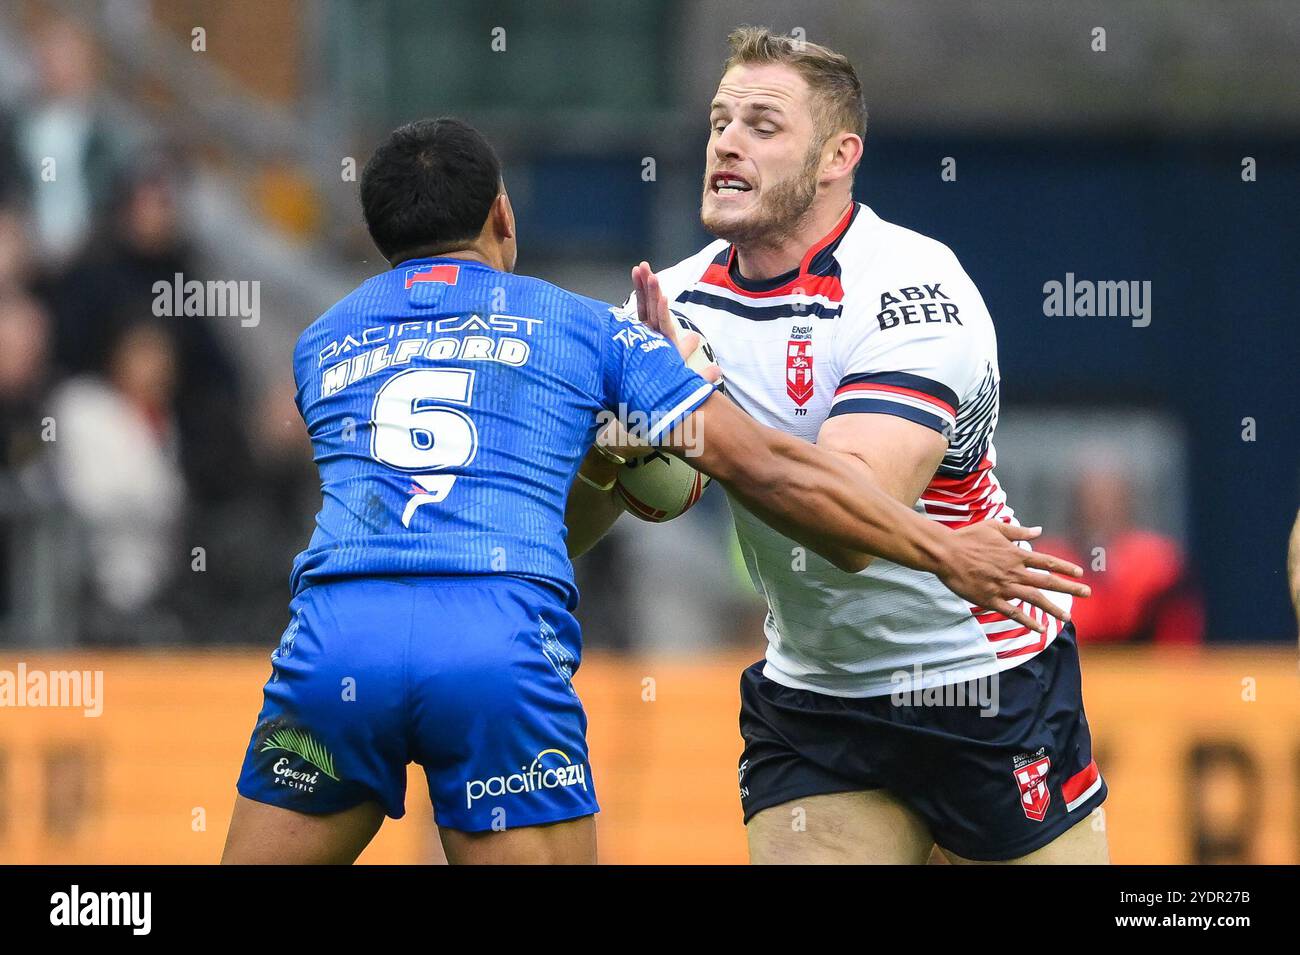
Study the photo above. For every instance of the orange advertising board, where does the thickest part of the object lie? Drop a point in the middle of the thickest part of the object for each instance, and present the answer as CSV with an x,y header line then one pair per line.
x,y
1201,751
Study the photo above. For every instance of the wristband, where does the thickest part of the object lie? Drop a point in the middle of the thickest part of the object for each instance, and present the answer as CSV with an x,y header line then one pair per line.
x,y
592,484
610,456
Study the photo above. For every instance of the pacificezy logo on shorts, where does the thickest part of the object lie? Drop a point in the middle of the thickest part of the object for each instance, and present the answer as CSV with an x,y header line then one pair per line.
x,y
551,769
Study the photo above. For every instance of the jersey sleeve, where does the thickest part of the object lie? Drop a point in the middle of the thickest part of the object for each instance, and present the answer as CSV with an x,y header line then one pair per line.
x,y
645,381
915,351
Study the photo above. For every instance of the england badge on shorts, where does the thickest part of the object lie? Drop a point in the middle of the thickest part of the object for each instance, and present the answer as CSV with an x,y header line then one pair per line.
x,y
1030,771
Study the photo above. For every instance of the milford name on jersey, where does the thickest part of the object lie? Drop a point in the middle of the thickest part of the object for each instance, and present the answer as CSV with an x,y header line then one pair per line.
x,y
449,405
877,319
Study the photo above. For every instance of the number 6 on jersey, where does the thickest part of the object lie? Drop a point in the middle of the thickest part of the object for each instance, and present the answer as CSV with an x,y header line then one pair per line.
x,y
412,431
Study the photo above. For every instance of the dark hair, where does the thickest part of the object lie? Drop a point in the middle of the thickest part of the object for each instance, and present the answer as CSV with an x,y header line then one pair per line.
x,y
428,188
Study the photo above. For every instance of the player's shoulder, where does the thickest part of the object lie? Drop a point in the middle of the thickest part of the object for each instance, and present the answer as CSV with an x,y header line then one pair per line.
x,y
878,247
540,293
884,265
342,312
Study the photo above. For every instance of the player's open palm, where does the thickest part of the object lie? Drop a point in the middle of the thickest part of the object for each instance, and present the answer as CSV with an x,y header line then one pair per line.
x,y
652,311
990,571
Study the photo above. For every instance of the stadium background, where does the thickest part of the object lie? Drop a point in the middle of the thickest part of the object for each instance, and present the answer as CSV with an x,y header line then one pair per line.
x,y
221,141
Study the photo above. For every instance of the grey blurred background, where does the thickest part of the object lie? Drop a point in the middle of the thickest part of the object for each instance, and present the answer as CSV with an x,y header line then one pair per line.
x,y
224,141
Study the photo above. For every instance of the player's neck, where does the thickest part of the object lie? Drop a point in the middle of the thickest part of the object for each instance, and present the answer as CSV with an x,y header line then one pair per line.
x,y
475,255
760,261
494,258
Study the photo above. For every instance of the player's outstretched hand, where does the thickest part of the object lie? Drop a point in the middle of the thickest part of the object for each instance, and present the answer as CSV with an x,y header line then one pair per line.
x,y
652,311
989,570
651,304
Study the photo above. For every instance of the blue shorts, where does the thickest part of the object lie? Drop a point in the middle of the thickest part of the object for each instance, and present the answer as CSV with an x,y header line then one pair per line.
x,y
468,676
990,787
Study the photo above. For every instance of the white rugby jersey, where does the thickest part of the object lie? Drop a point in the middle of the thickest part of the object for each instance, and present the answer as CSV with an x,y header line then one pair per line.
x,y
877,319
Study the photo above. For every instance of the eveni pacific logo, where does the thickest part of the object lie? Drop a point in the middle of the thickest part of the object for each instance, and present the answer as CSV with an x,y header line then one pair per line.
x,y
308,749
552,769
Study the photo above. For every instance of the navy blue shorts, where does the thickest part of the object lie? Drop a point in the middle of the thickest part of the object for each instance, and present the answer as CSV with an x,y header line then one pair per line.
x,y
470,677
990,788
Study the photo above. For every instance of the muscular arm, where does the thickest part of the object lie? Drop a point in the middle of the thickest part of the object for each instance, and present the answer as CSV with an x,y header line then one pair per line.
x,y
811,495
822,500
590,513
896,455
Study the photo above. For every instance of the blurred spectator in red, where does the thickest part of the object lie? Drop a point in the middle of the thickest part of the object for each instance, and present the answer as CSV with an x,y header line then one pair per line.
x,y
1142,590
65,145
117,466
111,286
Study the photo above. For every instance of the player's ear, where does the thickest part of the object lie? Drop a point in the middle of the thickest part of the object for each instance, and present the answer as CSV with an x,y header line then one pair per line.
x,y
503,216
843,153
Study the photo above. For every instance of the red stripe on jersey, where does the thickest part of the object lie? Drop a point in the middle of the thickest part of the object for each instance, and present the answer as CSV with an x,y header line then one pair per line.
x,y
1077,785
961,487
946,510
826,285
834,234
1021,651
1007,634
895,389
976,497
967,500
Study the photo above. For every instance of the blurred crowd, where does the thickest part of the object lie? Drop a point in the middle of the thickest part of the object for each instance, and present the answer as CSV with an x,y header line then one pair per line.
x,y
130,431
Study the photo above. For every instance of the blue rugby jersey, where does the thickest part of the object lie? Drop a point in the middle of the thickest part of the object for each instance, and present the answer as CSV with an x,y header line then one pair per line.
x,y
449,406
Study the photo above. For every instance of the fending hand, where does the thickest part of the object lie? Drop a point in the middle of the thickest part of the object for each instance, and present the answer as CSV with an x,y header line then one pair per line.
x,y
989,570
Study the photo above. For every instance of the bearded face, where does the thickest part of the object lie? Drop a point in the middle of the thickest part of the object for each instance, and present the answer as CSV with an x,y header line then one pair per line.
x,y
759,212
763,160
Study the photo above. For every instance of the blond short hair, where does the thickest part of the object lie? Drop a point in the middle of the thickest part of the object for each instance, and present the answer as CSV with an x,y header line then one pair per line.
x,y
830,75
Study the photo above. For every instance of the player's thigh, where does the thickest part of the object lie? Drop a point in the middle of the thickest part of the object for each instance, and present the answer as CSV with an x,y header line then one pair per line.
x,y
572,842
496,723
330,734
1083,844
867,827
262,834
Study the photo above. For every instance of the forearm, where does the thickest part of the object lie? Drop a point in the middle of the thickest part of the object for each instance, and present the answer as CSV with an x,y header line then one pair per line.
x,y
815,497
589,513
822,501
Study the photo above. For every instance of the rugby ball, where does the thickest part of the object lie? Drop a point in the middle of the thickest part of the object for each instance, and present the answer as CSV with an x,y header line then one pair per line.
x,y
659,486
703,355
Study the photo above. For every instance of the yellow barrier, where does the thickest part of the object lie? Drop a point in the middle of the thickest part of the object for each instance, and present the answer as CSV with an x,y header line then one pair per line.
x,y
1201,751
